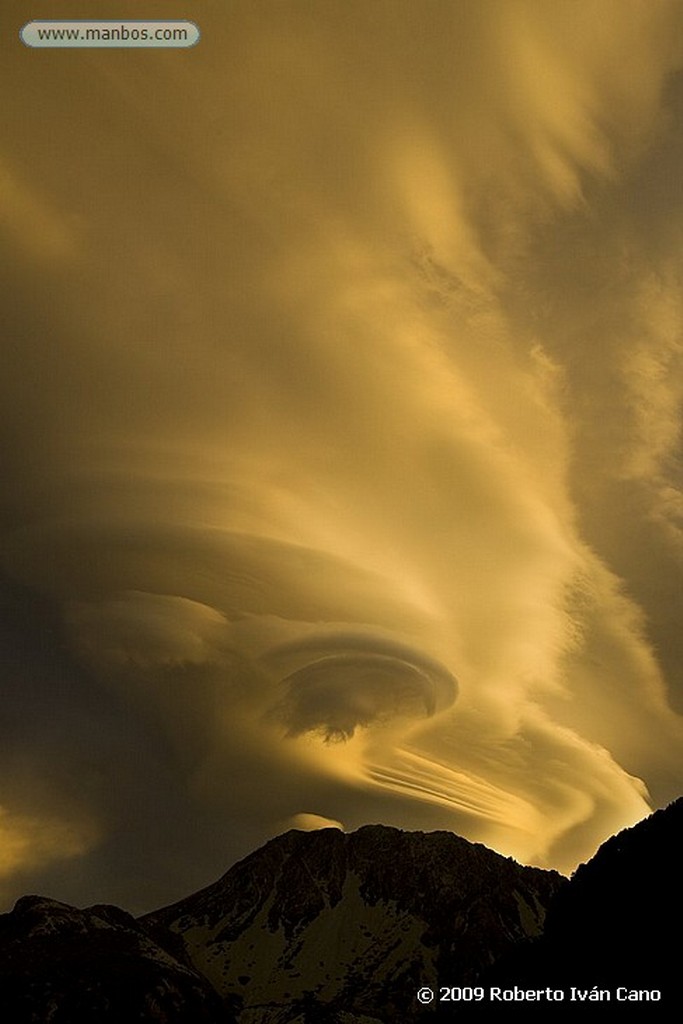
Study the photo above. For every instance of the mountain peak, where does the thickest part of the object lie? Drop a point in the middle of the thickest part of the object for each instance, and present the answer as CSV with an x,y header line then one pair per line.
x,y
360,914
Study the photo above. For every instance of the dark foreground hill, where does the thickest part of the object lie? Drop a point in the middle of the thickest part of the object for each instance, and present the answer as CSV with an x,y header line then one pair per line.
x,y
328,928
617,924
95,966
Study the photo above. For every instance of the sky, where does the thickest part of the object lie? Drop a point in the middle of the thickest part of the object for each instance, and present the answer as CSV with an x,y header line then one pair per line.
x,y
341,402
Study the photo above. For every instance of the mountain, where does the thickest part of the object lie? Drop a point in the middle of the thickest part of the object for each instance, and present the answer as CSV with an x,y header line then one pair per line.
x,y
94,966
617,922
332,928
356,923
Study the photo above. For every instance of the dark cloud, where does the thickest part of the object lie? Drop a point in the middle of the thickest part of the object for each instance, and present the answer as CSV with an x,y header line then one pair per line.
x,y
350,681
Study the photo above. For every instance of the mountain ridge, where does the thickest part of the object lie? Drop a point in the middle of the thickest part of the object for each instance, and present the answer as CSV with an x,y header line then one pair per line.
x,y
330,927
359,918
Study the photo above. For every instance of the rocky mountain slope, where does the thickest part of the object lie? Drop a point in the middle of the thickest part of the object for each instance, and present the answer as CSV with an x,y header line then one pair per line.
x,y
95,966
356,922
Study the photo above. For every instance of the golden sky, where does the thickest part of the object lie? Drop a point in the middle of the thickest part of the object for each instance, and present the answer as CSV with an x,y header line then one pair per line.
x,y
341,410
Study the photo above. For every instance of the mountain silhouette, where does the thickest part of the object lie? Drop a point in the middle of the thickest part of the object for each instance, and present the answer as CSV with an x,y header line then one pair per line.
x,y
94,966
616,923
333,928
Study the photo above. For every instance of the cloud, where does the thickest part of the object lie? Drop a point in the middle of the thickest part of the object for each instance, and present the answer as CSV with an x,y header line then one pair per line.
x,y
337,692
310,822
332,683
27,843
348,366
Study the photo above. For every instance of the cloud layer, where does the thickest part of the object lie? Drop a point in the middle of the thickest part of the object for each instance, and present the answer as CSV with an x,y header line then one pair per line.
x,y
342,362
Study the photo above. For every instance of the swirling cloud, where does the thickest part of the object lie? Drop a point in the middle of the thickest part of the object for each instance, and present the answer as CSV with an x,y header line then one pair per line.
x,y
358,682
343,362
